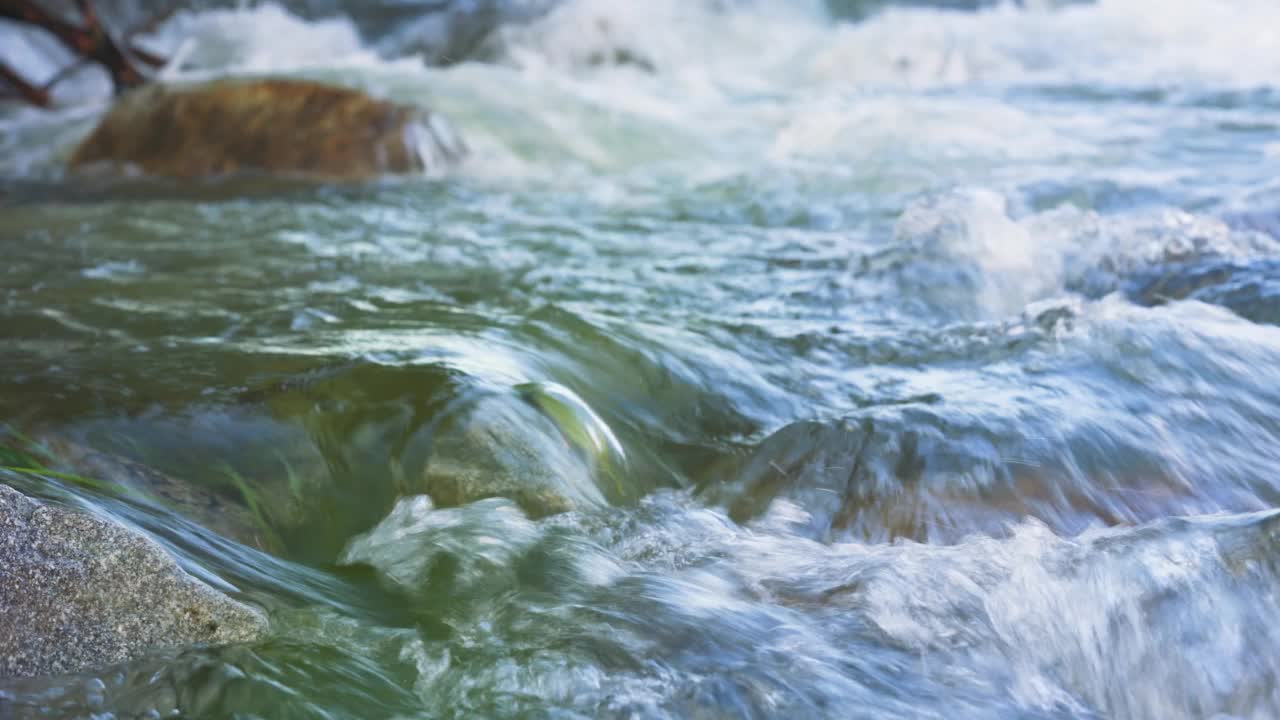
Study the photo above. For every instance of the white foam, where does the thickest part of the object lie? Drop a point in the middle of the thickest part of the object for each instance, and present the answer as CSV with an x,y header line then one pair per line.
x,y
1109,42
968,235
1184,43
719,87
780,82
970,256
263,38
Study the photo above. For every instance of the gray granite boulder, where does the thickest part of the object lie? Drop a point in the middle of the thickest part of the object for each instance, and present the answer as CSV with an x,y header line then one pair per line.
x,y
79,591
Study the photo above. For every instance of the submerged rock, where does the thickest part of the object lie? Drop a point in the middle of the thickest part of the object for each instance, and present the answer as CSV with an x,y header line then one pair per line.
x,y
1249,288
79,591
495,447
194,502
931,475
279,126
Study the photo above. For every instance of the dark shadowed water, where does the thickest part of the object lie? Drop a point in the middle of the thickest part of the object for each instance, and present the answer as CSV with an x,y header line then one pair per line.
x,y
754,365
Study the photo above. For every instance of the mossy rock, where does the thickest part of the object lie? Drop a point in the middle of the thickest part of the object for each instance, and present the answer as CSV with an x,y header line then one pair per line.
x,y
286,127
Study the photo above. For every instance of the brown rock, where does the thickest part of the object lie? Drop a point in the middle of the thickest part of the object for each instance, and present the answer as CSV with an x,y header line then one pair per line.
x,y
278,126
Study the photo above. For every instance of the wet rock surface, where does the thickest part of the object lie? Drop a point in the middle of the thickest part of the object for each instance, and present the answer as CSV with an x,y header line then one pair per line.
x,y
1249,288
917,475
499,446
79,591
276,126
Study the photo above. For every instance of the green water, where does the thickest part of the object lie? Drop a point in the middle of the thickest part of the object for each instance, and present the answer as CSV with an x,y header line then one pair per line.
x,y
919,367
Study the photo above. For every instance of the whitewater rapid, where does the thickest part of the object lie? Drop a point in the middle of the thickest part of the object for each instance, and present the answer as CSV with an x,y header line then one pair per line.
x,y
919,365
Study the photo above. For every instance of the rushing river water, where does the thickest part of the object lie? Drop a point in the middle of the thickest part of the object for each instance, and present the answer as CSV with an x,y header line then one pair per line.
x,y
919,366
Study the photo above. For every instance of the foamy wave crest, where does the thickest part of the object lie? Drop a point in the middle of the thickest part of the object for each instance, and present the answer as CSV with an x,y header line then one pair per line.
x,y
880,131
262,38
1187,43
968,256
968,253
1110,42
663,35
